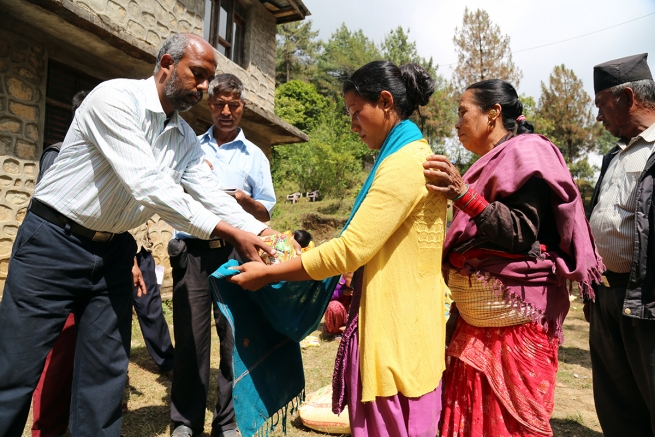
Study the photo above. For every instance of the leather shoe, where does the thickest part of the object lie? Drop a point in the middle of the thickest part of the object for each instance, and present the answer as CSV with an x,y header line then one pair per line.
x,y
182,431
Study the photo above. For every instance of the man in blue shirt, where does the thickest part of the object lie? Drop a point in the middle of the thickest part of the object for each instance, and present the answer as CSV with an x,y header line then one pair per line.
x,y
244,172
238,163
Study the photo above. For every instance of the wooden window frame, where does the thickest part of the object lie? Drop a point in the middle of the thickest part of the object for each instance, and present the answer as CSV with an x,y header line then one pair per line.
x,y
81,82
217,40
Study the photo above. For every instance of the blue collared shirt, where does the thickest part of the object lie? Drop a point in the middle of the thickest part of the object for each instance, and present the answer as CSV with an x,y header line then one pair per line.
x,y
239,164
242,165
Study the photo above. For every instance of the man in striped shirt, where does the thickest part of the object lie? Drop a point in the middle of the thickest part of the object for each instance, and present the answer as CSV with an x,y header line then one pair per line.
x,y
622,317
127,155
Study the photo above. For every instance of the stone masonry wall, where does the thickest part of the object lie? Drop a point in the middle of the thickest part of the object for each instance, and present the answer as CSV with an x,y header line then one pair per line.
x,y
22,105
152,21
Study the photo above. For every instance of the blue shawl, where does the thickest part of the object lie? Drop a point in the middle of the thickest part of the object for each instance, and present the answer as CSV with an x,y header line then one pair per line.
x,y
268,325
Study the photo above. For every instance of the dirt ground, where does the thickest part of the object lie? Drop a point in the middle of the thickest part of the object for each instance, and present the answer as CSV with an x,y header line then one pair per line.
x,y
574,413
149,391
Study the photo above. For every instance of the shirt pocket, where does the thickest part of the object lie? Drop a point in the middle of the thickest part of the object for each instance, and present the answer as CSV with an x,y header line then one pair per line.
x,y
231,177
628,192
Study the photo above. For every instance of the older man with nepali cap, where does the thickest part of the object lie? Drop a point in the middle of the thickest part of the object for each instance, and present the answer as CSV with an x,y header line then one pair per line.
x,y
622,317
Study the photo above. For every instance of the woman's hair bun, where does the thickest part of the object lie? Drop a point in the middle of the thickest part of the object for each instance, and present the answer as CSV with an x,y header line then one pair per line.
x,y
419,83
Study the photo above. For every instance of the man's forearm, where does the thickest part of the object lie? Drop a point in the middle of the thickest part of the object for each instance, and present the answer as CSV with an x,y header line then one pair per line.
x,y
253,207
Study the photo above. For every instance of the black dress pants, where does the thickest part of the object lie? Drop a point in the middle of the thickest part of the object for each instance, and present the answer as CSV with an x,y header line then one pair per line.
x,y
192,306
151,318
623,364
51,274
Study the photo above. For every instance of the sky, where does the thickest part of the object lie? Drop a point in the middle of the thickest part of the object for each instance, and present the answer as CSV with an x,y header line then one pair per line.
x,y
528,23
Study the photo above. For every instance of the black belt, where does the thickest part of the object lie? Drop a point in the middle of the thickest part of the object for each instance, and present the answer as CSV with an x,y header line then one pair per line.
x,y
53,216
194,243
612,279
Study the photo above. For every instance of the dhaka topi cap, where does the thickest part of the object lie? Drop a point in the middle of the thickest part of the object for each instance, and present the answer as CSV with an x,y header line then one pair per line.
x,y
620,71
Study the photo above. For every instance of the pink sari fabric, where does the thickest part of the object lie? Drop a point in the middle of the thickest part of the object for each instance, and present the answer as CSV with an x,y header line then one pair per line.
x,y
499,382
336,316
393,416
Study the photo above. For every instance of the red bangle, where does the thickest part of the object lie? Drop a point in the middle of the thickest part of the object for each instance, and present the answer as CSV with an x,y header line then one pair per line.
x,y
476,206
465,199
471,203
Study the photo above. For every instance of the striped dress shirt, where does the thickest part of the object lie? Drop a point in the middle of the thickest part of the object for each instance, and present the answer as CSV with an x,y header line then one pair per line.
x,y
613,218
120,163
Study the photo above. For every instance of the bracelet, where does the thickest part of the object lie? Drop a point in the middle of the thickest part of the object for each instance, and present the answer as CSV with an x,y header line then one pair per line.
x,y
462,195
471,203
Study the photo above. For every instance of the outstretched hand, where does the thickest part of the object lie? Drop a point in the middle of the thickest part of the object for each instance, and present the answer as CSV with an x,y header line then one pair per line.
x,y
253,276
248,246
443,177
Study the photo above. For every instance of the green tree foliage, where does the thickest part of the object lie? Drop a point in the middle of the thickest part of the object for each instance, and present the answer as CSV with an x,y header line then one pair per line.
x,y
483,52
605,142
332,159
326,163
566,117
300,104
398,49
342,55
296,51
440,114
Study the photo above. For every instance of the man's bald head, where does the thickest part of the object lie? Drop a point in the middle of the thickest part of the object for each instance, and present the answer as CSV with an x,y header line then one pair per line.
x,y
177,45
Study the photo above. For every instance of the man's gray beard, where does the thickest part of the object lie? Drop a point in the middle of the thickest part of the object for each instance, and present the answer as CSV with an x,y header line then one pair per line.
x,y
177,95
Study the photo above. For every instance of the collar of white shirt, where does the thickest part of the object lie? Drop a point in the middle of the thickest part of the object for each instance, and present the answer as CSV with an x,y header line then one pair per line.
x,y
153,104
647,135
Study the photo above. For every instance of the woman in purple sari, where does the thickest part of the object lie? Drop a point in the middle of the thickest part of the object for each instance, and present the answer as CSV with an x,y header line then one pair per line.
x,y
518,241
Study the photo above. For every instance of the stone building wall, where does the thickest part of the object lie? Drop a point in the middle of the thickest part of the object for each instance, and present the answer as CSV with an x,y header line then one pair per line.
x,y
160,233
152,21
23,77
22,105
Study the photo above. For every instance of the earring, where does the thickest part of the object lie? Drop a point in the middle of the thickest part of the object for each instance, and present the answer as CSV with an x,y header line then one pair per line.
x,y
492,113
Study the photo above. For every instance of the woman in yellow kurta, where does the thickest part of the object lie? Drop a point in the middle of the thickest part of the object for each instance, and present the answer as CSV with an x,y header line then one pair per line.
x,y
392,353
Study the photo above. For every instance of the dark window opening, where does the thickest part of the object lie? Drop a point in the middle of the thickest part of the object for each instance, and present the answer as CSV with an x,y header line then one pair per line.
x,y
224,27
63,83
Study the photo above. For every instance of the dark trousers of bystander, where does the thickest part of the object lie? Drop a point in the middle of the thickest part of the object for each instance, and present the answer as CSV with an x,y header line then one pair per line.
x,y
623,365
192,306
151,318
52,273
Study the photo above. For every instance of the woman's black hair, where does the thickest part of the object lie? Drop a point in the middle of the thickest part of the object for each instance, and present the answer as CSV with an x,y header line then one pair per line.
x,y
410,85
489,92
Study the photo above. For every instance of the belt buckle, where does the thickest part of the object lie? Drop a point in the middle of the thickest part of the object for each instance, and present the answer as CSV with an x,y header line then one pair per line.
x,y
604,281
102,237
215,244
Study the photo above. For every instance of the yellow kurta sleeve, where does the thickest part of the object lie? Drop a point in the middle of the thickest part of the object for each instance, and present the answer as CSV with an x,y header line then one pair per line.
x,y
397,234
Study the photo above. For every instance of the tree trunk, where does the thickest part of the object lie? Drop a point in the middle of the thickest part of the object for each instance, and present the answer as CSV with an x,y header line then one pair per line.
x,y
286,56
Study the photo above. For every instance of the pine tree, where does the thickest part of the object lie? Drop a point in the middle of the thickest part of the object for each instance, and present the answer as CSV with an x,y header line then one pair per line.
x,y
296,51
342,55
398,49
483,52
566,117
